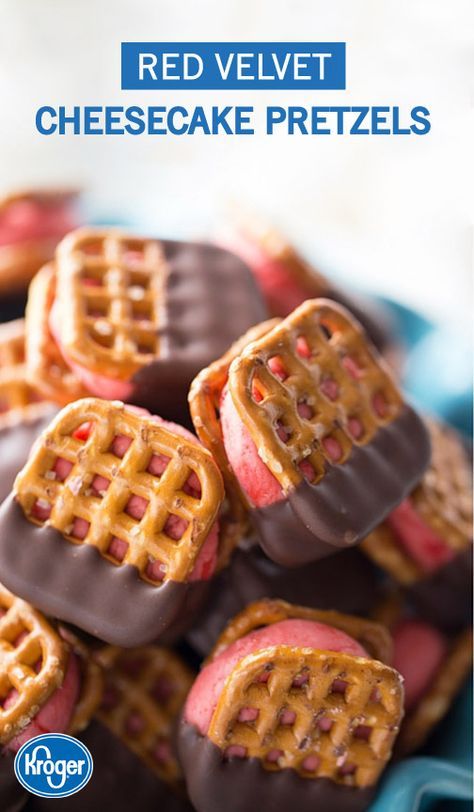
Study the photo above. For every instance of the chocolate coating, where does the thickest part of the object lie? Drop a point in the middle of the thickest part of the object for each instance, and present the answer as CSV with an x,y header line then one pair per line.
x,y
15,445
375,318
243,785
120,781
445,598
314,521
210,300
347,582
12,795
74,583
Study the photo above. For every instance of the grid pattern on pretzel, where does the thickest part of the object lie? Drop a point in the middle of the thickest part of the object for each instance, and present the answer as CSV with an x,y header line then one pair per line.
x,y
322,714
311,390
15,391
145,690
146,543
45,366
12,344
444,495
118,281
32,663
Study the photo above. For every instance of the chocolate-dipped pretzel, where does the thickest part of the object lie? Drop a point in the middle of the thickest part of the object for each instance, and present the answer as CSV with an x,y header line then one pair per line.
x,y
138,318
318,434
112,522
294,712
425,544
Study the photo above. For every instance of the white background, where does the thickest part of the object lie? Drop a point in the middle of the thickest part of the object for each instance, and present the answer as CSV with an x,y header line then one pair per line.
x,y
390,214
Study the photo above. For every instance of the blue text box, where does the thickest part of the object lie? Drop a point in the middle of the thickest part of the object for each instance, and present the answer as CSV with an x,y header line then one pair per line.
x,y
233,65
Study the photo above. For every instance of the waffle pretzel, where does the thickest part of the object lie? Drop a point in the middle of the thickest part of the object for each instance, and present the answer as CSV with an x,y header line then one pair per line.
x,y
33,662
111,286
15,392
443,499
374,637
327,334
105,514
431,709
359,700
145,690
204,402
45,368
92,683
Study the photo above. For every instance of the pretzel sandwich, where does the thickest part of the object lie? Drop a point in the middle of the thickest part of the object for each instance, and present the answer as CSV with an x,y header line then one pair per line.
x,y
123,507
333,441
137,318
296,710
33,662
46,369
204,398
16,394
145,690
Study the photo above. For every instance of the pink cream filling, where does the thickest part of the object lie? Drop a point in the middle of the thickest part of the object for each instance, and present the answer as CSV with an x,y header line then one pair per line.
x,y
419,651
419,541
26,220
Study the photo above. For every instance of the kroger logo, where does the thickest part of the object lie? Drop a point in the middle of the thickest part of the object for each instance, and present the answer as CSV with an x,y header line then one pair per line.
x,y
53,765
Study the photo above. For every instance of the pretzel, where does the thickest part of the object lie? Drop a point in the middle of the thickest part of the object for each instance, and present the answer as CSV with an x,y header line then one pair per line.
x,y
143,541
434,705
328,335
45,368
15,392
92,683
112,285
33,662
443,499
19,261
374,637
359,700
204,403
145,690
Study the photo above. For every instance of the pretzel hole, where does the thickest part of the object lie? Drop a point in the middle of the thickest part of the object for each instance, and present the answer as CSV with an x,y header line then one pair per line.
x,y
265,675
192,486
277,367
132,257
110,698
145,343
305,411
134,724
301,679
380,405
282,431
352,366
326,331
307,469
102,333
117,549
61,469
175,527
158,464
93,248
347,769
91,282
80,528
162,690
155,570
330,388
362,732
82,433
99,485
141,312
248,714
235,751
356,428
339,686
161,752
10,698
325,724
41,510
273,755
133,666
287,717
311,763
120,445
257,393
333,448
136,507
302,347
139,279
20,637
38,666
